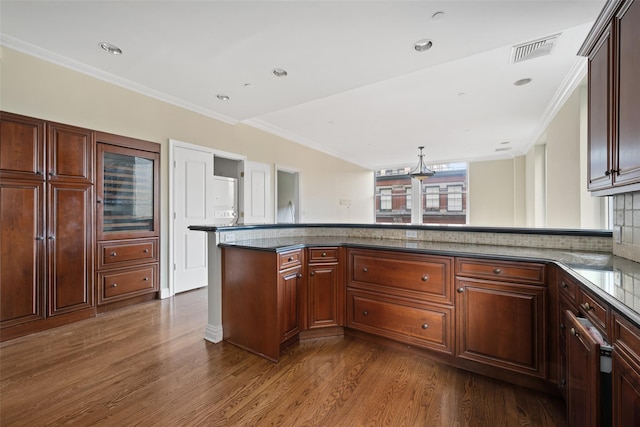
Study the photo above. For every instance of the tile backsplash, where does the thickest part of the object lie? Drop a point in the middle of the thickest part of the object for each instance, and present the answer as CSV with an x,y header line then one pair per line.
x,y
626,217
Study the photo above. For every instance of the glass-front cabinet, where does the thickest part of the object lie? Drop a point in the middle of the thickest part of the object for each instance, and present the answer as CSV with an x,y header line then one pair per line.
x,y
127,193
127,220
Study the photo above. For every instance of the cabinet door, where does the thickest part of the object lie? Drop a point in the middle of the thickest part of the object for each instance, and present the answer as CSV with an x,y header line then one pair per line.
x,y
70,247
583,370
628,92
22,252
127,193
502,324
289,305
626,390
323,307
600,137
69,153
21,147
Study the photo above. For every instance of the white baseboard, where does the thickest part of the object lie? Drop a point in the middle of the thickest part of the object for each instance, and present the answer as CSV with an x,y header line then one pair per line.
x,y
213,333
165,293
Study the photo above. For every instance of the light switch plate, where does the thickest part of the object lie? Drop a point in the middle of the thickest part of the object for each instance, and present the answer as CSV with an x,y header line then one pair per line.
x,y
412,234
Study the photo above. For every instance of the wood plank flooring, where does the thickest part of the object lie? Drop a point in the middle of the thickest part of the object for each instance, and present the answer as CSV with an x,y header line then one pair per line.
x,y
149,365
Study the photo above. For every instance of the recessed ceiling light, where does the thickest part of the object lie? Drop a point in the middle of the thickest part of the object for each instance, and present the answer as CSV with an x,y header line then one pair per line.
x,y
222,97
279,72
422,45
503,149
522,82
247,85
108,47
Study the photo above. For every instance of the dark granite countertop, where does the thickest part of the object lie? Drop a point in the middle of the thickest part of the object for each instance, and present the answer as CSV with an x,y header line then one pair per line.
x,y
610,277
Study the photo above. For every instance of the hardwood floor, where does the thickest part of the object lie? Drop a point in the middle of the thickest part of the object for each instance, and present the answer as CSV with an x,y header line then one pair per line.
x,y
149,365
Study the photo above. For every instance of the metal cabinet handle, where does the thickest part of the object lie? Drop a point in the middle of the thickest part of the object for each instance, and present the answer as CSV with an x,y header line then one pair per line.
x,y
425,326
563,285
365,313
146,251
299,275
586,306
562,327
146,279
313,273
574,332
365,269
497,270
324,254
290,259
114,254
425,277
52,237
39,238
114,285
607,173
460,290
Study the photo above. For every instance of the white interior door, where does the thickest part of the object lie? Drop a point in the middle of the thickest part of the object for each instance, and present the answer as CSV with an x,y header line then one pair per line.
x,y
257,200
193,202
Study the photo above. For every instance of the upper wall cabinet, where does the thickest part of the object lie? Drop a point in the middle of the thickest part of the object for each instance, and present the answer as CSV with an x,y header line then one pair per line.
x,y
614,99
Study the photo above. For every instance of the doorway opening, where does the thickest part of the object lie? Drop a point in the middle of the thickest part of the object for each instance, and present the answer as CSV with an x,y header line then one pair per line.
x,y
287,195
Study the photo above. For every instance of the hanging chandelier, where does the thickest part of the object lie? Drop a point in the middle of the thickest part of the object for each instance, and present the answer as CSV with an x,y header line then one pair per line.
x,y
421,172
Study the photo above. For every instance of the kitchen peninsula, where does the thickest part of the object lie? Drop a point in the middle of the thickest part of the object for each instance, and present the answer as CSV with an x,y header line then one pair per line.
x,y
497,301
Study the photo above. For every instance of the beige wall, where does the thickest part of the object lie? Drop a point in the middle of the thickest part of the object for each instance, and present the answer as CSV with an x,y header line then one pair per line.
x,y
492,193
37,88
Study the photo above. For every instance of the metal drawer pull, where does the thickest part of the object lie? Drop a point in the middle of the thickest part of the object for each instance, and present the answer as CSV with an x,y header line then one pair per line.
x,y
365,269
299,275
146,279
574,332
113,254
425,277
313,273
497,270
460,290
563,285
324,254
365,313
425,326
146,251
290,259
586,306
114,285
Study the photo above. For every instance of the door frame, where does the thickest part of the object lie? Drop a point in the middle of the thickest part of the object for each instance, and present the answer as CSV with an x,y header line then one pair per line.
x,y
298,201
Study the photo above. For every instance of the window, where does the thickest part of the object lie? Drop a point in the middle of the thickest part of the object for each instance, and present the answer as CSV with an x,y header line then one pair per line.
x,y
440,199
432,198
385,199
454,198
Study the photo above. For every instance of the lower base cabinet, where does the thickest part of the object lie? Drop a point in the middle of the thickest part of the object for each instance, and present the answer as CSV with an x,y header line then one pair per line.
x,y
625,373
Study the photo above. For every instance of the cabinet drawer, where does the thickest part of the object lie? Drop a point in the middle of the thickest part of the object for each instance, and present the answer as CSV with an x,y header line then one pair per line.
x,y
127,282
595,311
113,254
501,270
568,287
414,276
323,254
413,323
289,259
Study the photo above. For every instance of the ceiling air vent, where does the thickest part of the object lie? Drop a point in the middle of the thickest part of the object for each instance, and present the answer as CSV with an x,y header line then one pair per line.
x,y
533,49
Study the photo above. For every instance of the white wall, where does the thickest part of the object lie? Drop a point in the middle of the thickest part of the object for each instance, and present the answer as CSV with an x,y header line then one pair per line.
x,y
37,88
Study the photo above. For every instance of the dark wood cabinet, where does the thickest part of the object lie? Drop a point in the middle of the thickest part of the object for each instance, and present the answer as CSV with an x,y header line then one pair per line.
x,y
402,296
625,373
325,290
46,224
502,324
262,301
289,313
127,225
614,93
583,374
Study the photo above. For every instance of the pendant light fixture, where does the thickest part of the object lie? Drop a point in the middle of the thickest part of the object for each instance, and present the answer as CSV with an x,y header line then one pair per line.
x,y
421,172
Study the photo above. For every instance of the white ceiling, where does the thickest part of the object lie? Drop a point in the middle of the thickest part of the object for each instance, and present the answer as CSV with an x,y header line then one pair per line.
x,y
355,88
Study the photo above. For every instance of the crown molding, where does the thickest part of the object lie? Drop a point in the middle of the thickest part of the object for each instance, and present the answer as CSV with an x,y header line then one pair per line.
x,y
571,81
63,61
